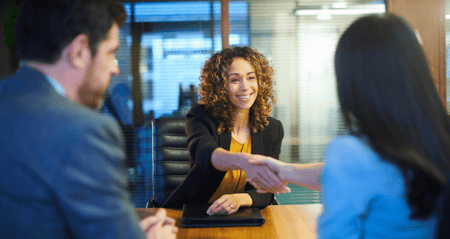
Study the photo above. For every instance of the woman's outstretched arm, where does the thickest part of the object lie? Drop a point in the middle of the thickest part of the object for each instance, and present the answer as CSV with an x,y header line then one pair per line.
x,y
305,175
225,160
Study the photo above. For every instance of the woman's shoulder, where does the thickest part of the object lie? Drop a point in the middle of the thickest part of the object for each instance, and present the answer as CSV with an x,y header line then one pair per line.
x,y
274,126
198,111
198,114
274,122
271,119
349,141
351,149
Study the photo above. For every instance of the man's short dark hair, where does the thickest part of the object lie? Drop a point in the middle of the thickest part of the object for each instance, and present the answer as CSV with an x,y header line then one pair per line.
x,y
45,27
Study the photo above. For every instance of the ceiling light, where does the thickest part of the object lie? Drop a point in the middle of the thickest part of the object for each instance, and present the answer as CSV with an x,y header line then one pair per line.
x,y
323,17
339,5
357,10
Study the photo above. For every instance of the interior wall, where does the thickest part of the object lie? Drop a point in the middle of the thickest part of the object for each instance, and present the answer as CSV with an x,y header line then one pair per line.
x,y
428,17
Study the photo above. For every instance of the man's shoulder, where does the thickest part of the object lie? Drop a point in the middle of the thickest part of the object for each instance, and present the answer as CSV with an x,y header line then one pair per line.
x,y
80,116
58,115
23,79
5,80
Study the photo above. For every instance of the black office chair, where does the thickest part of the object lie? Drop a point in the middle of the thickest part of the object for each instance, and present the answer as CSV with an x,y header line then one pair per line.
x,y
170,158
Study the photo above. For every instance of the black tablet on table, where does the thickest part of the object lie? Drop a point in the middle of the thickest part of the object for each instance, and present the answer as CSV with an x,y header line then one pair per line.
x,y
194,215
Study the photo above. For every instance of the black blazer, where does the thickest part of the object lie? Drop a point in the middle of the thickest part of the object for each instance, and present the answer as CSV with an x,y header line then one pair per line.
x,y
203,179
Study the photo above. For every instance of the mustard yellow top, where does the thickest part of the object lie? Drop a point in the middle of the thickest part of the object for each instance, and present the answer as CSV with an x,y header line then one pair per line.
x,y
234,180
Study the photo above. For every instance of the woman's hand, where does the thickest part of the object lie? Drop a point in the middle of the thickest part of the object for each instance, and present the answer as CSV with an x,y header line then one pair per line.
x,y
159,226
281,169
305,175
228,204
224,160
260,171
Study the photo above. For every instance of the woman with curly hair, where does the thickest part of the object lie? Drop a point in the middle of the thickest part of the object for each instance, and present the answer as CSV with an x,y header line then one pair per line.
x,y
229,126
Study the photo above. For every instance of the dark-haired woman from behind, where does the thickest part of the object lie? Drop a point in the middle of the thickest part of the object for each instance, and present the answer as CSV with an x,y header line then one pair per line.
x,y
230,126
386,178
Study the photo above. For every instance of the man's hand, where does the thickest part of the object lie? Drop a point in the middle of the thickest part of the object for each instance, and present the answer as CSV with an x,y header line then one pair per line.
x,y
159,226
261,175
275,166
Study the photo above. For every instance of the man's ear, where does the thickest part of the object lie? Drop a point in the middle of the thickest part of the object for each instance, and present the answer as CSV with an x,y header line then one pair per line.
x,y
79,53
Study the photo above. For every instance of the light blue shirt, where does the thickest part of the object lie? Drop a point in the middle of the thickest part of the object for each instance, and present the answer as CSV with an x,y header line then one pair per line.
x,y
56,85
364,196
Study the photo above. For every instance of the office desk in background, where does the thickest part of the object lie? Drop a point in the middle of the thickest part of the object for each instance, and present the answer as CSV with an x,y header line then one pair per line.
x,y
282,221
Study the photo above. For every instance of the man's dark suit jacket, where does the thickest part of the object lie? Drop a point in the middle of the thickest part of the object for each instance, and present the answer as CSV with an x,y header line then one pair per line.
x,y
60,173
203,179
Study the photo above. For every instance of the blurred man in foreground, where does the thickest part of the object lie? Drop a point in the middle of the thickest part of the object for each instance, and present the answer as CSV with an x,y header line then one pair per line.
x,y
61,160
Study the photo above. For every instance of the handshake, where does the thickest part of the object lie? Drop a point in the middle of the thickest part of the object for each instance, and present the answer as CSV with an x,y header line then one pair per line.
x,y
269,175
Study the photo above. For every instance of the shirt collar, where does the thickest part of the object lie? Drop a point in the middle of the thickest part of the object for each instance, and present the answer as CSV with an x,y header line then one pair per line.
x,y
56,85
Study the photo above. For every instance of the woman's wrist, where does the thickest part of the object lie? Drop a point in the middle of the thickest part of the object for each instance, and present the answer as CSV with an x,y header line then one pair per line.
x,y
241,161
286,172
225,160
243,199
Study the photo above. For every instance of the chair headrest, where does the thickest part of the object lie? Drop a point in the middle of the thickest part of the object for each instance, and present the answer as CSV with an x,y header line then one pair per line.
x,y
169,125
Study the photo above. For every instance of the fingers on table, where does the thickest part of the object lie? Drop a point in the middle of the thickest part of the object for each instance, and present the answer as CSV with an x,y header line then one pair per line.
x,y
168,232
223,205
150,221
173,228
169,221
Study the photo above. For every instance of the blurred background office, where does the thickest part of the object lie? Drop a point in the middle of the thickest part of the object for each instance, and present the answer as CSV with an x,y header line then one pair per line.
x,y
165,43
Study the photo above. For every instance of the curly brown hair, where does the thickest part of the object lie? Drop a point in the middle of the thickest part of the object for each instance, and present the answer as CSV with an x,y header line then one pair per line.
x,y
213,89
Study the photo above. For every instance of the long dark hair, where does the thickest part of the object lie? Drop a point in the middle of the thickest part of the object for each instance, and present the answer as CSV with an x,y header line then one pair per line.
x,y
387,92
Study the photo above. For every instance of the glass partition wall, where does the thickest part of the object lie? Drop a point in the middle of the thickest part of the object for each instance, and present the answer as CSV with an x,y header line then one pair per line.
x,y
299,37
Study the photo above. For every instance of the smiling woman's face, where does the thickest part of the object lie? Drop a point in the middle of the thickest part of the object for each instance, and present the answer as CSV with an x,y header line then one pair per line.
x,y
242,84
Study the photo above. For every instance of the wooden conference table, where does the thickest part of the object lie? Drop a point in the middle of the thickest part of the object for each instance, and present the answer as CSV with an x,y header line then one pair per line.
x,y
282,221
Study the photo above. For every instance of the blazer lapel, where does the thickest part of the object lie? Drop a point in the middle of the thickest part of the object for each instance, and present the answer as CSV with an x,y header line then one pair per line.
x,y
225,140
257,142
